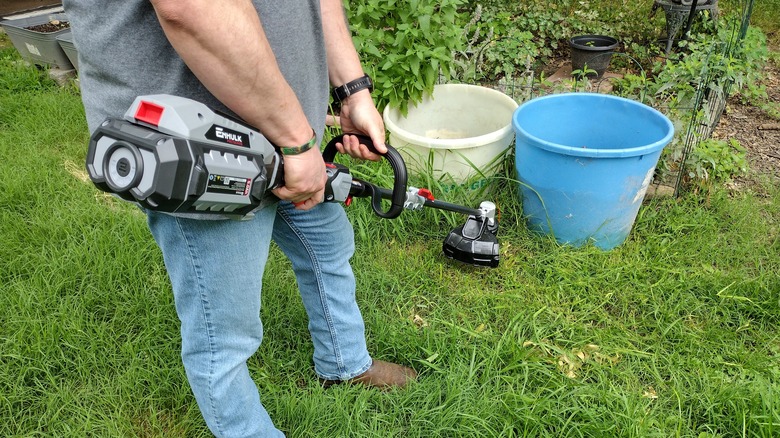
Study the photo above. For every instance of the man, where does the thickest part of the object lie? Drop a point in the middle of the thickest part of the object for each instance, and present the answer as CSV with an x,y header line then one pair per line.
x,y
270,63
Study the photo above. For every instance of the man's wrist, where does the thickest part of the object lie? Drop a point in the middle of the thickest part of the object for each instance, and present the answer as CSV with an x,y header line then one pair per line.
x,y
344,91
299,149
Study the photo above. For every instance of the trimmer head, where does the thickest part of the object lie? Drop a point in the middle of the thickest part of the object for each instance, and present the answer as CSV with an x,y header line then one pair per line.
x,y
475,242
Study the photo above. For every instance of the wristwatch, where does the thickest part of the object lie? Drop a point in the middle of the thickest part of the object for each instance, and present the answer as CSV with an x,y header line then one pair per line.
x,y
344,91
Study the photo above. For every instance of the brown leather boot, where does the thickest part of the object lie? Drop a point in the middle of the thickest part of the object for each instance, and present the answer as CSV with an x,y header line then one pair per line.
x,y
382,375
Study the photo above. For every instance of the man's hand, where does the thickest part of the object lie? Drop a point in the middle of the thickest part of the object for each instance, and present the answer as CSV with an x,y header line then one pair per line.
x,y
304,179
360,116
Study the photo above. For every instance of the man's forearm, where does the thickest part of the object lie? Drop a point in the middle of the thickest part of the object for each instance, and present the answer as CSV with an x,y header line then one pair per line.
x,y
358,113
343,61
233,59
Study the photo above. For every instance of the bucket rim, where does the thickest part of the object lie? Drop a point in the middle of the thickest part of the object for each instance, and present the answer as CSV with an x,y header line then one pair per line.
x,y
594,152
67,36
576,42
452,143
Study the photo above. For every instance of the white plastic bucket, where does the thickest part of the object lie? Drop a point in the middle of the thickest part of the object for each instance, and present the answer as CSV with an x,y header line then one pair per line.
x,y
459,134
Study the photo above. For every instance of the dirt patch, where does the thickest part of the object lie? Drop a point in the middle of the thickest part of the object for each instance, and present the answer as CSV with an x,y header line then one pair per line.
x,y
755,129
52,26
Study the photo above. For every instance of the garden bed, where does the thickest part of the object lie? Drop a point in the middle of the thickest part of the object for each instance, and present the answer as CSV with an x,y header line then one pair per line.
x,y
51,26
755,128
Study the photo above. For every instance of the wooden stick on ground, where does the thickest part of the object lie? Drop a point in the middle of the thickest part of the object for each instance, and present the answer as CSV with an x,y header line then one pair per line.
x,y
331,120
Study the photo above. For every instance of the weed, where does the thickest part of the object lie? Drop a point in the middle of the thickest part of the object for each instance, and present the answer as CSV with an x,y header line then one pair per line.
x,y
718,160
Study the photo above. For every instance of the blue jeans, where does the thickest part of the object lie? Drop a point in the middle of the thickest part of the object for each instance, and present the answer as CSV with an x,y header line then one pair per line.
x,y
216,268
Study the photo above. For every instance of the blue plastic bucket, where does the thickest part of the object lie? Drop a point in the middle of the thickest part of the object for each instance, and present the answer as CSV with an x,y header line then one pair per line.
x,y
584,162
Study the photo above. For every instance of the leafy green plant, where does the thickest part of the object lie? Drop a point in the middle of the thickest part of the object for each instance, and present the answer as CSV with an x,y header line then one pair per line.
x,y
632,86
517,37
405,45
512,54
467,60
497,49
718,61
547,23
581,77
584,72
717,160
772,109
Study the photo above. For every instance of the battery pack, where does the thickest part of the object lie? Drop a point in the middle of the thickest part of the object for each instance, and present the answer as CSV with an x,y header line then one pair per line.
x,y
176,155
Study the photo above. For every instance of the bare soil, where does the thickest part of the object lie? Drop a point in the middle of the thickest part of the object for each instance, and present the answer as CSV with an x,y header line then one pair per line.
x,y
756,130
52,26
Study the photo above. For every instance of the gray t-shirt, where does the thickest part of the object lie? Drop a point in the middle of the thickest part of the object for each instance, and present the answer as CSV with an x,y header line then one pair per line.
x,y
123,53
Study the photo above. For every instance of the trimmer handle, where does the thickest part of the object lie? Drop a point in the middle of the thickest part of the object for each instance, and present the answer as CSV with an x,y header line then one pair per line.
x,y
398,196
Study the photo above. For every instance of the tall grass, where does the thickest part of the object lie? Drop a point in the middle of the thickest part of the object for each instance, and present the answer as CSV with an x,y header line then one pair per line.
x,y
674,333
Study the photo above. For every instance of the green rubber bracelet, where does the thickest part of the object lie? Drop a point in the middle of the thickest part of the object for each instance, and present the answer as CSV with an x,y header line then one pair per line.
x,y
295,150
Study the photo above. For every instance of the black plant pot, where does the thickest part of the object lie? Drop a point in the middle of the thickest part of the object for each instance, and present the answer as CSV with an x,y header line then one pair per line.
x,y
593,51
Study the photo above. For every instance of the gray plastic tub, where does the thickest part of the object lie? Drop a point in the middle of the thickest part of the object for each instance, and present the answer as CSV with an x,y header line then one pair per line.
x,y
66,42
36,47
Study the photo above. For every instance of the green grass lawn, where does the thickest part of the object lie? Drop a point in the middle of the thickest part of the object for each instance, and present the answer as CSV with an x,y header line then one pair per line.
x,y
673,334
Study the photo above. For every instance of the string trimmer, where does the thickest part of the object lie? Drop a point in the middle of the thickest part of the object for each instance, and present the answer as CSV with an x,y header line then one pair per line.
x,y
176,155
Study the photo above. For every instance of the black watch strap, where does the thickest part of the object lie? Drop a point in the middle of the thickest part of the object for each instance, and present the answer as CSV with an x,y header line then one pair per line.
x,y
344,91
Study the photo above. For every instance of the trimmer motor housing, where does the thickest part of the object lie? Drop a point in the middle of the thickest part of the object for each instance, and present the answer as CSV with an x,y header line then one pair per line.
x,y
177,155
